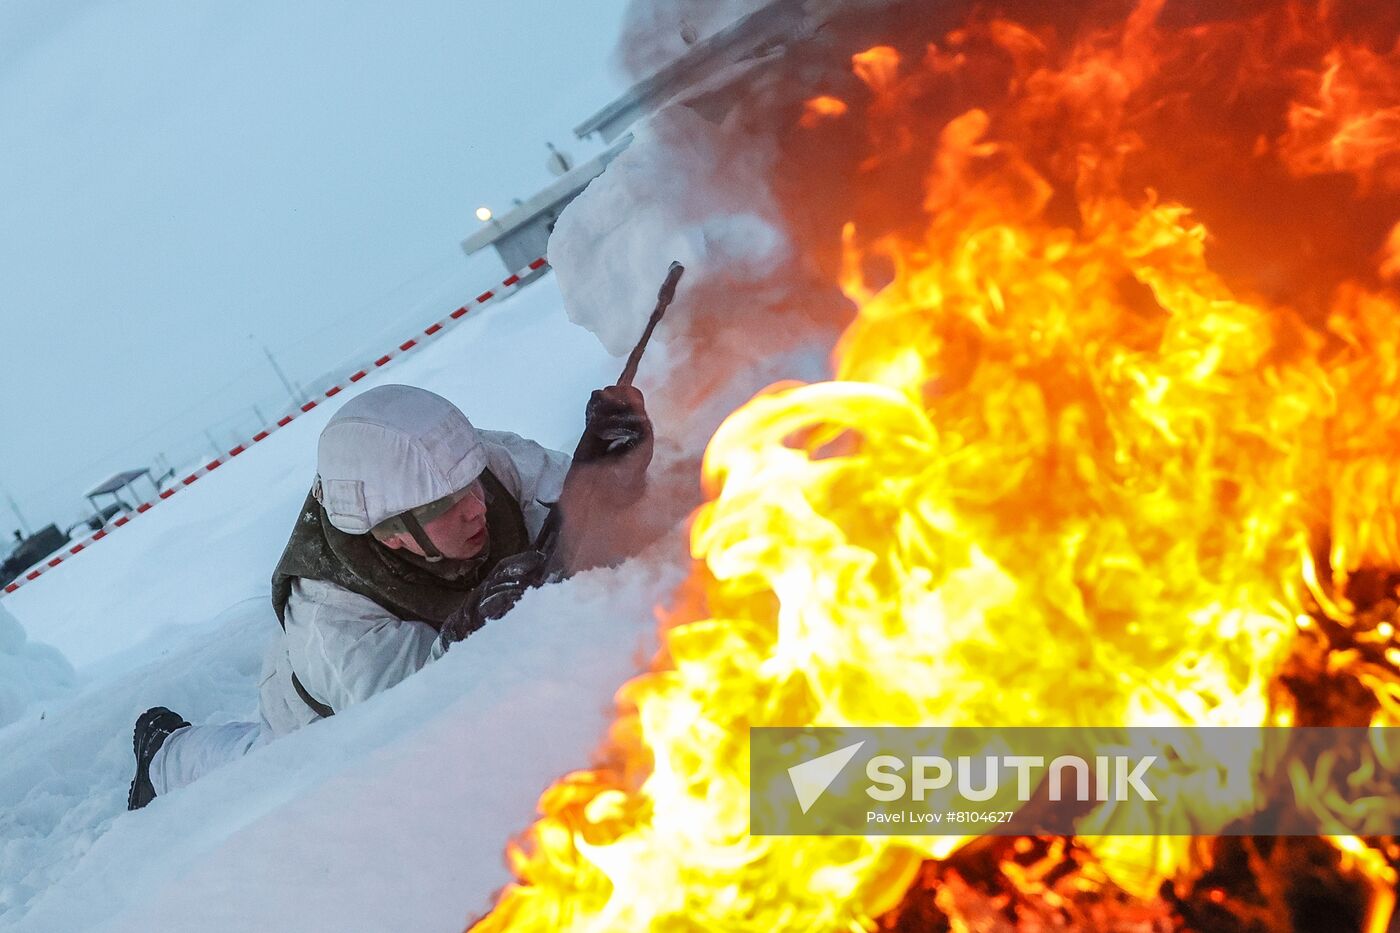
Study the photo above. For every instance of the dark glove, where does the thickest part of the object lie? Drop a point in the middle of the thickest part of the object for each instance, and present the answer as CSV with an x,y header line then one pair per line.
x,y
616,424
495,596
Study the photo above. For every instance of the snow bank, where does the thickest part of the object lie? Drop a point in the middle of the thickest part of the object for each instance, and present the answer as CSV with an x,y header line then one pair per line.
x,y
174,610
680,191
28,671
393,815
216,542
696,191
63,778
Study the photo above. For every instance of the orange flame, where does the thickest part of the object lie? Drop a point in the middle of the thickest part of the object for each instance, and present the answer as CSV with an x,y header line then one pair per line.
x,y
819,109
1350,121
1067,473
878,67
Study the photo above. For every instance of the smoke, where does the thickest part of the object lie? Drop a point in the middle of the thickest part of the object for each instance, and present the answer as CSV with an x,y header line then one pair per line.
x,y
697,191
685,190
1294,169
760,191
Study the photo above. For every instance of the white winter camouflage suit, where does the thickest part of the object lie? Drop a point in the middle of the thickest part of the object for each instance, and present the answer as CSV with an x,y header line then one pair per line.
x,y
345,647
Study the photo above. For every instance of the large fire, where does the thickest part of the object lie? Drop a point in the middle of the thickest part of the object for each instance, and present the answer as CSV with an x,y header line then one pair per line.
x,y
1084,460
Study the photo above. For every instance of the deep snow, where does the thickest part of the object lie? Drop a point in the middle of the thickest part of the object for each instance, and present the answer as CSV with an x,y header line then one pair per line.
x,y
393,815
396,813
29,672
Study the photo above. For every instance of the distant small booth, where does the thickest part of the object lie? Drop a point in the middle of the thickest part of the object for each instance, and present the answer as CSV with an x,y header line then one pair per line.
x,y
113,487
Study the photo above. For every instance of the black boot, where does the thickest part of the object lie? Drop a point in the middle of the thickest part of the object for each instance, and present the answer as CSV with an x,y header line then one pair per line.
x,y
153,727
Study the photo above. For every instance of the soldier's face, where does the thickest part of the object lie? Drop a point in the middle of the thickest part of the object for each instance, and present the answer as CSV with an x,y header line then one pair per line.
x,y
460,532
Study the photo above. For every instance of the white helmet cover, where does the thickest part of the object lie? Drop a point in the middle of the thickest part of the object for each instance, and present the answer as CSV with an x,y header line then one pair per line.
x,y
392,449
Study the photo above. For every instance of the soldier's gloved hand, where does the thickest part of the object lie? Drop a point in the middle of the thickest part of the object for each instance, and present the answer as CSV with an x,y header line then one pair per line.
x,y
616,425
495,596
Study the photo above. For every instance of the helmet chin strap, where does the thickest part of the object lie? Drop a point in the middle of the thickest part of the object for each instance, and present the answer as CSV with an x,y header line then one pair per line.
x,y
415,530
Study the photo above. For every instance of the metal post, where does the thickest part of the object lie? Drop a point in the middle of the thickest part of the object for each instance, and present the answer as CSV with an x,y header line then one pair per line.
x,y
14,507
286,383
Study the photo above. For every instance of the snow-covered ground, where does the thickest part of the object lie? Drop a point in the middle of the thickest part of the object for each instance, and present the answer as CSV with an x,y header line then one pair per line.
x,y
28,671
393,815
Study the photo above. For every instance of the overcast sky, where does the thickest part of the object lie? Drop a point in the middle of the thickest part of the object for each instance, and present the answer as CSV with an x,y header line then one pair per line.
x,y
177,175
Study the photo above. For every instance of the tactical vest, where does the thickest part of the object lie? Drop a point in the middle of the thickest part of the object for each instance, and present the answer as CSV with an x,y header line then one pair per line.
x,y
317,550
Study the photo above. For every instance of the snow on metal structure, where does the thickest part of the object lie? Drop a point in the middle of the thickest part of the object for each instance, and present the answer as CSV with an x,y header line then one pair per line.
x,y
524,231
761,35
707,70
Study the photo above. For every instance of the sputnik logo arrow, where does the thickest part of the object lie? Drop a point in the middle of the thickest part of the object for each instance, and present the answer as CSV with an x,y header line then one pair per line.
x,y
811,778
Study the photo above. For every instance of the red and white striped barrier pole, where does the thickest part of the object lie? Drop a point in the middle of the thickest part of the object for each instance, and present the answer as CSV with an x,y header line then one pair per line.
x,y
507,287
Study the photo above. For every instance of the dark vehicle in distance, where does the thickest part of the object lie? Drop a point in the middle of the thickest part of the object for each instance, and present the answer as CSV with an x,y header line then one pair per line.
x,y
31,550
